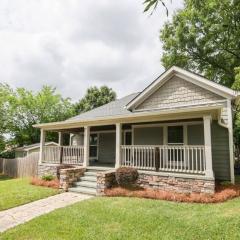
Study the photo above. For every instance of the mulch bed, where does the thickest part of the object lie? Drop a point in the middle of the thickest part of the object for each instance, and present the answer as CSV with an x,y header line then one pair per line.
x,y
39,182
222,194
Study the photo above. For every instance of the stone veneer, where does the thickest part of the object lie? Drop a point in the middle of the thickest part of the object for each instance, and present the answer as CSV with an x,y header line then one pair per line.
x,y
105,180
177,183
44,169
70,175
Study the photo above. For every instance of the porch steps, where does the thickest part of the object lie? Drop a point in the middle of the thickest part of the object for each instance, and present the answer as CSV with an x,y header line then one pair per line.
x,y
89,178
85,190
87,184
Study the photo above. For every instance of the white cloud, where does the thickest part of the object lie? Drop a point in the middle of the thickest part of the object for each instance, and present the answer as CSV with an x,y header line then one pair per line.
x,y
76,44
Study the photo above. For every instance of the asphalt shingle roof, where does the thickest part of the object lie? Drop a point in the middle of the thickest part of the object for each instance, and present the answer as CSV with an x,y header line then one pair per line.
x,y
114,108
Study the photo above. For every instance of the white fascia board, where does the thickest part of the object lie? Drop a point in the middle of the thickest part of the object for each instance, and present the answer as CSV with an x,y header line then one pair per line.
x,y
123,118
188,76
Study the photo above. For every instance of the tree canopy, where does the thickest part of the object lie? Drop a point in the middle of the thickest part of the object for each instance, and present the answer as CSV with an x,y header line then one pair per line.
x,y
22,109
204,37
95,97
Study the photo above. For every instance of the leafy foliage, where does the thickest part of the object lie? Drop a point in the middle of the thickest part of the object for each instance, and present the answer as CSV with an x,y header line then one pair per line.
x,y
22,109
152,5
126,176
204,37
48,177
95,97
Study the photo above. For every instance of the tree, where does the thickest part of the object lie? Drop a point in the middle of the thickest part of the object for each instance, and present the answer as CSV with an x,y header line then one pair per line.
x,y
151,5
236,120
204,37
4,93
95,97
25,108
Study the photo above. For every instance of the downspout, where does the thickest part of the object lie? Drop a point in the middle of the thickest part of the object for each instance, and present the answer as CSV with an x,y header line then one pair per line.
x,y
230,136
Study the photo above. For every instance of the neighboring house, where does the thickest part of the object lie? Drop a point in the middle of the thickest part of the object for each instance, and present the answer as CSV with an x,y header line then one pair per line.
x,y
28,149
177,132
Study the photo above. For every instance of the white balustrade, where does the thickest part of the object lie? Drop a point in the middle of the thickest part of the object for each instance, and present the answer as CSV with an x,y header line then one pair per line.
x,y
169,158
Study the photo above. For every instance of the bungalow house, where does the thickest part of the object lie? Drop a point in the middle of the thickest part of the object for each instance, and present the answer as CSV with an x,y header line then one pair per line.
x,y
177,132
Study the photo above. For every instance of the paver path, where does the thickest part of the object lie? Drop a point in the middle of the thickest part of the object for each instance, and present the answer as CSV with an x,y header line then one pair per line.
x,y
18,215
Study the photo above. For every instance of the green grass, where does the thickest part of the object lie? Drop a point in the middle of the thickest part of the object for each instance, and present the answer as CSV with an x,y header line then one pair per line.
x,y
136,219
15,192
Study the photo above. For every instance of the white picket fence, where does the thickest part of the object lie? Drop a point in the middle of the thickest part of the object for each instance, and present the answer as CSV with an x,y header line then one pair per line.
x,y
20,167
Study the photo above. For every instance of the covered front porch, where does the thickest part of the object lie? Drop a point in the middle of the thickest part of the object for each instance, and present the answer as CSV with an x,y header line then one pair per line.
x,y
171,147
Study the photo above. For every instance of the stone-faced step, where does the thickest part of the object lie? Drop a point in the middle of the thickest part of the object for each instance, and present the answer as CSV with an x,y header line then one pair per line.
x,y
85,184
90,191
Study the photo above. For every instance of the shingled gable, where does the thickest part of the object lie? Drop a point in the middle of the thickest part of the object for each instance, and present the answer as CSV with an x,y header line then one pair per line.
x,y
178,87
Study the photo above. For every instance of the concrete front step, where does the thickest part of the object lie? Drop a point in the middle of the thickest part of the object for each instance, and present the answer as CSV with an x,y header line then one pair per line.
x,y
90,174
86,184
89,178
85,190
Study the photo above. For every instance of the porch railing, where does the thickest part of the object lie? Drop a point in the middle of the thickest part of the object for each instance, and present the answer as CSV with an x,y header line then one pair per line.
x,y
184,159
63,154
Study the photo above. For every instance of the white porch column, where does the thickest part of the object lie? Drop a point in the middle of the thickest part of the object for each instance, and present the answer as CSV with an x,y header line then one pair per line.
x,y
60,138
118,144
208,145
42,144
86,146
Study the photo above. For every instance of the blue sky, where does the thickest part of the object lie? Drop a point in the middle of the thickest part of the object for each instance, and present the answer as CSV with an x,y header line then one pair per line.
x,y
76,44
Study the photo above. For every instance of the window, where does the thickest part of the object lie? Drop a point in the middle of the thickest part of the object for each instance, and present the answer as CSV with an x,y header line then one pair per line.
x,y
128,138
175,135
93,146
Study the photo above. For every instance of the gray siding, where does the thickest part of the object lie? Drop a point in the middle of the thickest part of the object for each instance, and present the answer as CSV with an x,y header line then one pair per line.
x,y
195,134
107,147
220,152
148,136
178,92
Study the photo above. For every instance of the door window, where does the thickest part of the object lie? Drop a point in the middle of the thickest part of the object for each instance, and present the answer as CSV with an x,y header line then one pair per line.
x,y
175,135
93,146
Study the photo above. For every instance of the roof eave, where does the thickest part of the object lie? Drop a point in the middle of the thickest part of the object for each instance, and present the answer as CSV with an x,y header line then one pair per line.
x,y
221,90
121,118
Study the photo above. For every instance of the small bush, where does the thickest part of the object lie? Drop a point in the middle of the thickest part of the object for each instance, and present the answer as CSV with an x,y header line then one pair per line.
x,y
126,176
48,177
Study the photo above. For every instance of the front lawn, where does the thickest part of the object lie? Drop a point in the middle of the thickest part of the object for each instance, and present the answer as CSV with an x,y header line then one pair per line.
x,y
15,192
132,218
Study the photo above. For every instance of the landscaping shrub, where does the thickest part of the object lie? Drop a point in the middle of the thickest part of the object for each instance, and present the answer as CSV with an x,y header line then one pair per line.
x,y
48,177
40,182
126,176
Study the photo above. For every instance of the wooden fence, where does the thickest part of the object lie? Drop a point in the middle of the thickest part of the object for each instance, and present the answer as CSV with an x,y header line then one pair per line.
x,y
20,167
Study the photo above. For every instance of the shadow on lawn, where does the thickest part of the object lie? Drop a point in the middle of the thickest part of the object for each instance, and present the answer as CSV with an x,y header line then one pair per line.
x,y
4,177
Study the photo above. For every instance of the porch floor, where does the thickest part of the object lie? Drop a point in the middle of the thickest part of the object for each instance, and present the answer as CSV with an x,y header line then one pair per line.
x,y
101,165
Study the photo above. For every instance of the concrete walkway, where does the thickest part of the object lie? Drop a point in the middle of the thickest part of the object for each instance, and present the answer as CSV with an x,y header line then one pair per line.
x,y
18,215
